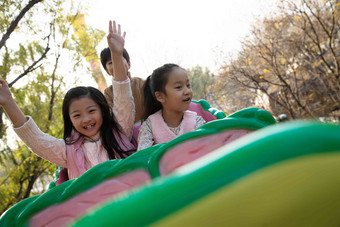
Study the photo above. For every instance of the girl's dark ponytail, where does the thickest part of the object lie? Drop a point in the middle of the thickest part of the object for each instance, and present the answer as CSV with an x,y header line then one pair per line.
x,y
151,105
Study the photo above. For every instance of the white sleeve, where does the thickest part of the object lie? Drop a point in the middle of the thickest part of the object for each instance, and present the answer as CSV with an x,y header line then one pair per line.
x,y
123,106
42,144
199,121
145,137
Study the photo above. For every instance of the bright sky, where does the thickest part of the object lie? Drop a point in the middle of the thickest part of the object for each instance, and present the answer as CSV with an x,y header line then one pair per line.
x,y
186,32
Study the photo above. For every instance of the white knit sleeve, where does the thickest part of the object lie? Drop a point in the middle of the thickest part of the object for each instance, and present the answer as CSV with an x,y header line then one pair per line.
x,y
123,106
199,121
145,137
42,144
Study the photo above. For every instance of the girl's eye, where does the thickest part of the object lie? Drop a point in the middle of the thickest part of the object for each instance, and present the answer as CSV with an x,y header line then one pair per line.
x,y
189,85
91,111
75,116
178,87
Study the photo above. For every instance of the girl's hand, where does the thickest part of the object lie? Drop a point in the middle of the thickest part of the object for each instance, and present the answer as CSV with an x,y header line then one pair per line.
x,y
9,105
5,93
115,39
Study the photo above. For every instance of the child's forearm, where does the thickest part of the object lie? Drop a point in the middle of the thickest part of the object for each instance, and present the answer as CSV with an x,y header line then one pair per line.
x,y
123,107
119,71
14,113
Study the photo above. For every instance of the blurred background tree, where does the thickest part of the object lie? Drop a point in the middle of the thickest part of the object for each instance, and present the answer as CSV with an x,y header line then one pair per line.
x,y
290,62
201,82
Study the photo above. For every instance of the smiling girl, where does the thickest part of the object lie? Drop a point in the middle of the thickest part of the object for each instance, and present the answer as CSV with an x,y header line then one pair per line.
x,y
91,134
167,96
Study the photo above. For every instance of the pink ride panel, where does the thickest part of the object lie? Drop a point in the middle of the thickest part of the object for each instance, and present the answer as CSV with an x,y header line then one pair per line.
x,y
63,213
196,107
196,148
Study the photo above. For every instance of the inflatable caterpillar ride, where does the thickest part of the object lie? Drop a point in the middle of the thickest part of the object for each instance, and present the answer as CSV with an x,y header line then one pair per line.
x,y
241,170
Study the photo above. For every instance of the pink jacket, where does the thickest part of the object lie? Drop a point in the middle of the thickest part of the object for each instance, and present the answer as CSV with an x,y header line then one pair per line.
x,y
162,133
76,158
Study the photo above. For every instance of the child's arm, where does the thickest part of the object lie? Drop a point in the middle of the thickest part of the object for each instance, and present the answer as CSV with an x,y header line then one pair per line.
x,y
116,42
199,121
7,102
145,137
42,144
123,104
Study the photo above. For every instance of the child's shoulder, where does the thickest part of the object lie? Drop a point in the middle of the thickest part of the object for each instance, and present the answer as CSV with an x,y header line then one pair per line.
x,y
137,81
108,90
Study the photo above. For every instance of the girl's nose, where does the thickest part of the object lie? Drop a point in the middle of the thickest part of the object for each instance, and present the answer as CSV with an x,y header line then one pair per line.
x,y
187,90
86,118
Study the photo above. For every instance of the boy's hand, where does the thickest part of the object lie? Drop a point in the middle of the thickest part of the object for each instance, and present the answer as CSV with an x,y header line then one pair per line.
x,y
115,39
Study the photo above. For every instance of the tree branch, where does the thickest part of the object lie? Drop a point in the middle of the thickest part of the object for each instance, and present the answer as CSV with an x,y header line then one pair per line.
x,y
32,66
14,23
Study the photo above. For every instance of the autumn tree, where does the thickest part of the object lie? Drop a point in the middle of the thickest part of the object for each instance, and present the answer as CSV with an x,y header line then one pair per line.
x,y
38,60
293,59
231,96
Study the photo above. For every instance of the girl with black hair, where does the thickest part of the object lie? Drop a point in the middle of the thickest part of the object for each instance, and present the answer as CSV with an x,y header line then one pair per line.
x,y
167,96
91,134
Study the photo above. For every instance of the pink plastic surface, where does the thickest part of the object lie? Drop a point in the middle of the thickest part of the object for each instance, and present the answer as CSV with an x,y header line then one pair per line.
x,y
194,149
63,213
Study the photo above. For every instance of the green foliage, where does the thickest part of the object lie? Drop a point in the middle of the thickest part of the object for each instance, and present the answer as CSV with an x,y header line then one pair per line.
x,y
6,13
35,48
21,169
6,66
22,55
201,82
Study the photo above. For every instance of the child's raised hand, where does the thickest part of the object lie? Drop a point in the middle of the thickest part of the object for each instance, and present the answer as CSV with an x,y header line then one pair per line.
x,y
5,93
115,39
9,105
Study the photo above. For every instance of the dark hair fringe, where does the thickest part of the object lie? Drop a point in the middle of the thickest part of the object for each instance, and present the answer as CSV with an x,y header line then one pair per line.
x,y
105,56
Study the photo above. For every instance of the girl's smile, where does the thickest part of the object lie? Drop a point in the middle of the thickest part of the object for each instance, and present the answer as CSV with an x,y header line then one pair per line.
x,y
187,100
86,117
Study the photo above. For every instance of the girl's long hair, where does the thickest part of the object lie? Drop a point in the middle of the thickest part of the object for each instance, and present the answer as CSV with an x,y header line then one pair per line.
x,y
155,82
109,141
